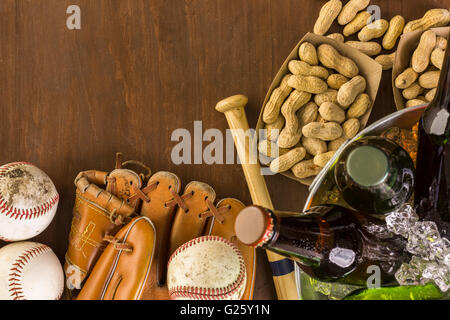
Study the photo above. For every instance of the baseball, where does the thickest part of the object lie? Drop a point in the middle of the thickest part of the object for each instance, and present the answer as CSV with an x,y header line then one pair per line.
x,y
30,271
206,268
28,201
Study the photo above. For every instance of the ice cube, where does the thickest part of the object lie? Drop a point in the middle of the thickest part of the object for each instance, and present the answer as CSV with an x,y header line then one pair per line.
x,y
380,230
440,274
443,282
407,275
417,265
411,273
446,259
422,236
430,271
439,250
402,220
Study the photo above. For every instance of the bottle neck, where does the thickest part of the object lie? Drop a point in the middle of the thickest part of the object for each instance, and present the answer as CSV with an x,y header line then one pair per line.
x,y
308,238
276,222
298,245
271,230
436,118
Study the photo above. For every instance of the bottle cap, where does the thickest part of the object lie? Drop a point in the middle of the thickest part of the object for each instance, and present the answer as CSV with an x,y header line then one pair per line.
x,y
367,165
254,226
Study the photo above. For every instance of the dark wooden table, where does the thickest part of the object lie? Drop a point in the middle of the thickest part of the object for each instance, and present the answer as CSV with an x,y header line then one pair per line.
x,y
136,71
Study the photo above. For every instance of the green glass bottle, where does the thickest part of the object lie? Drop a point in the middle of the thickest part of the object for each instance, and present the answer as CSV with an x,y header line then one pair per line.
x,y
431,194
375,175
422,292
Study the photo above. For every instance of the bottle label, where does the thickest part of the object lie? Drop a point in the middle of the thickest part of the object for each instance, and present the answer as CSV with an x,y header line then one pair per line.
x,y
342,257
439,124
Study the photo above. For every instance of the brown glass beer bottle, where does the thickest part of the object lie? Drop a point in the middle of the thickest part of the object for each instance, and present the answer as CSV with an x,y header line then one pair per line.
x,y
329,243
431,191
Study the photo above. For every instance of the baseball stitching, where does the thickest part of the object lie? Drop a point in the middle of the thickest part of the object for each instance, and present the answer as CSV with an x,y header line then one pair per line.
x,y
15,285
209,293
26,214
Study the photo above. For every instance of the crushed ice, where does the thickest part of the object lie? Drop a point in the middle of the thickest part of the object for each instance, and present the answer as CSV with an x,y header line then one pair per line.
x,y
431,260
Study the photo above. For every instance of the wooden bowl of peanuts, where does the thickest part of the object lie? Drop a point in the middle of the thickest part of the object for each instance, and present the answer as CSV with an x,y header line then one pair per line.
x,y
322,96
417,66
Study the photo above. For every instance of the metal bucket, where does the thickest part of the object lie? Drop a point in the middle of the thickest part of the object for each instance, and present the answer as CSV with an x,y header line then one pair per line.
x,y
322,189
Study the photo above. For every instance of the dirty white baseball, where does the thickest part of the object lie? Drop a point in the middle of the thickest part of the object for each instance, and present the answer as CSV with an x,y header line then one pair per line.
x,y
207,268
28,201
30,271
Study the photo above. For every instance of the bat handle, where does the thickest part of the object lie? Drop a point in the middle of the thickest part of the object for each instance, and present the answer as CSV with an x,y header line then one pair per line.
x,y
233,109
235,103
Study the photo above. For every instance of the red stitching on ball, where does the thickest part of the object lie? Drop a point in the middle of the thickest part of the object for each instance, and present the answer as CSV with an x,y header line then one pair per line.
x,y
26,214
15,280
209,293
8,166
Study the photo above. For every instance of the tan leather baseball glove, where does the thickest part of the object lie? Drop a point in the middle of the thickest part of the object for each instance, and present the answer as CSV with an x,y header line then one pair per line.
x,y
102,207
123,268
195,215
136,269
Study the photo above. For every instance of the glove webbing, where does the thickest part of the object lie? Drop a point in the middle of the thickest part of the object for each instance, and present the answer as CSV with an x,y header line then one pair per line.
x,y
117,219
117,244
215,212
179,200
142,193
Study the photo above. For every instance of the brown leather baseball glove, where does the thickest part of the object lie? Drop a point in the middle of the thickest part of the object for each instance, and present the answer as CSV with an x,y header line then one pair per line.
x,y
102,207
123,268
136,269
195,216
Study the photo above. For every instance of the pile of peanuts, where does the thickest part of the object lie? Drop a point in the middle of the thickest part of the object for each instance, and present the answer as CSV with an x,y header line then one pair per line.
x,y
355,19
419,81
319,104
314,110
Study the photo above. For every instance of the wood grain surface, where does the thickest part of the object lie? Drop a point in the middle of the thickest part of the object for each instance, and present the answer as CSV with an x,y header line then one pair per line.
x,y
136,71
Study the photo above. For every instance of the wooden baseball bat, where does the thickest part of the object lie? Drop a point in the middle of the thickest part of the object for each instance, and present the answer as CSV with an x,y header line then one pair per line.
x,y
282,268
